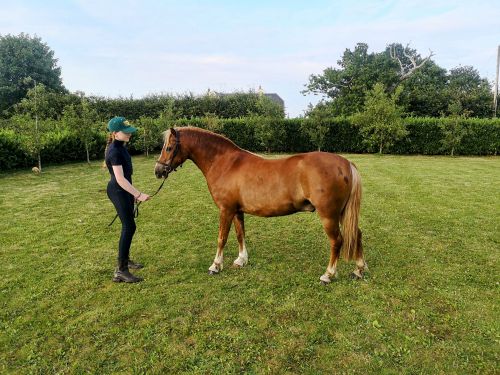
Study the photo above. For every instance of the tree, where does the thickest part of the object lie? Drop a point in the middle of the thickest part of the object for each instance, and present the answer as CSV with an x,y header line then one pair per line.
x,y
150,137
90,124
24,56
427,89
357,74
36,103
408,59
267,123
33,109
83,120
71,116
381,123
473,93
269,132
168,115
453,128
425,92
315,125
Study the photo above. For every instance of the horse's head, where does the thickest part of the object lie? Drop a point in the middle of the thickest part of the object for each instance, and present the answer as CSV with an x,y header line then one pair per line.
x,y
170,157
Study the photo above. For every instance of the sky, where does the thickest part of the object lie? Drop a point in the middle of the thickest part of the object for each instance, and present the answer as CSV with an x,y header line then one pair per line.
x,y
135,48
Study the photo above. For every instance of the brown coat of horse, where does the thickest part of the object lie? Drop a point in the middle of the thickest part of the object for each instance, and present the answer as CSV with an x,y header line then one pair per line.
x,y
241,182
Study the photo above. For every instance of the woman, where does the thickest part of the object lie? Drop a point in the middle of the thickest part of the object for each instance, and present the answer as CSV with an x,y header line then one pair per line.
x,y
122,193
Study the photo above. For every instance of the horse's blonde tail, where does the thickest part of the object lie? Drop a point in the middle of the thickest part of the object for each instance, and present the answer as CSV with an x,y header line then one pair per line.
x,y
350,218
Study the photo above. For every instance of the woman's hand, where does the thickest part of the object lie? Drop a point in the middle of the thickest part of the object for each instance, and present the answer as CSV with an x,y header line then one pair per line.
x,y
142,197
127,186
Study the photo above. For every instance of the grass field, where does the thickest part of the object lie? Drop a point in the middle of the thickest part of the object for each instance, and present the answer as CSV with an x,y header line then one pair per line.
x,y
429,304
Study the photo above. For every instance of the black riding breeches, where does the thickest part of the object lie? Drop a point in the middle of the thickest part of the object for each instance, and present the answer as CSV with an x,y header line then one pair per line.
x,y
124,205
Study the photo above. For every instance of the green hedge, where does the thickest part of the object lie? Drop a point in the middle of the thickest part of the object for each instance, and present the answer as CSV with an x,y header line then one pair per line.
x,y
12,152
424,137
236,129
66,146
484,139
57,147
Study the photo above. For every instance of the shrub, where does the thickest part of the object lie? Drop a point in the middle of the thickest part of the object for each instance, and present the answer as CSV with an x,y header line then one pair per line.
x,y
12,152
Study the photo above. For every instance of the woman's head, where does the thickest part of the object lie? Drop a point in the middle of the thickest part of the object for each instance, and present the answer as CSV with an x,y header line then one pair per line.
x,y
120,129
119,125
122,136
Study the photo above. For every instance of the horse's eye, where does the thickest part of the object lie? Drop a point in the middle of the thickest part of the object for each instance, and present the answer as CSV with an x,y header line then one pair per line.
x,y
168,148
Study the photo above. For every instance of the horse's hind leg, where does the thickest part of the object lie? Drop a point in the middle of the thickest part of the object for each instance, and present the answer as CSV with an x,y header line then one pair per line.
x,y
361,265
224,226
239,226
332,229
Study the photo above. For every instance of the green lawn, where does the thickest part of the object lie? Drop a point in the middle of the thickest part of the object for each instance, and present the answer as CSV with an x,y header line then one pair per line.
x,y
429,304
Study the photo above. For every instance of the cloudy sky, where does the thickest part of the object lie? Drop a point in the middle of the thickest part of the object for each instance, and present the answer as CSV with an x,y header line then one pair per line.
x,y
131,47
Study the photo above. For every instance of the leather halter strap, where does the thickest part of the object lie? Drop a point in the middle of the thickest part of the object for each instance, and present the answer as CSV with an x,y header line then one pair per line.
x,y
168,166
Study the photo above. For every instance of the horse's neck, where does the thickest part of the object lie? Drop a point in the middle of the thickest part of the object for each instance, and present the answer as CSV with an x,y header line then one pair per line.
x,y
205,150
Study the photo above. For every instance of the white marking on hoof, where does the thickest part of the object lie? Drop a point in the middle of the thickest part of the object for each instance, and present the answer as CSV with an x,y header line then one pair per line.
x,y
240,262
215,268
357,274
325,279
242,259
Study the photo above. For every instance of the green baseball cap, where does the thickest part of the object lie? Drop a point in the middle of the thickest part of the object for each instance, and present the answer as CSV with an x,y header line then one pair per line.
x,y
120,124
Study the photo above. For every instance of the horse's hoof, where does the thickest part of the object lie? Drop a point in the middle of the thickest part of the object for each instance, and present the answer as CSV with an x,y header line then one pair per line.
x,y
240,262
211,273
325,280
355,276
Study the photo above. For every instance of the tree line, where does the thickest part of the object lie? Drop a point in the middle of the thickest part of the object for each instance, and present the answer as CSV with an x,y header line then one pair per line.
x,y
375,90
426,89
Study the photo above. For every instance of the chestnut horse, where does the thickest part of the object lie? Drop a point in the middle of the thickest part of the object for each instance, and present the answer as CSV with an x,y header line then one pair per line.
x,y
241,182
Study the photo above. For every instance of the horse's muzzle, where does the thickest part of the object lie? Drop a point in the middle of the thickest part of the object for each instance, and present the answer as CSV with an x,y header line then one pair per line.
x,y
161,170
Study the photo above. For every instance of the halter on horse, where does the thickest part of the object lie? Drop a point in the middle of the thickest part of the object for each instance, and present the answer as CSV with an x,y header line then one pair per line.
x,y
241,182
167,167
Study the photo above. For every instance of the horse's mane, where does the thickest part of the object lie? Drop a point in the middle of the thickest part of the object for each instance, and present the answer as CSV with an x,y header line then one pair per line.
x,y
202,136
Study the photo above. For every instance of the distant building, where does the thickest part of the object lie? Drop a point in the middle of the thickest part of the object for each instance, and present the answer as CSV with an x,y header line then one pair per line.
x,y
273,96
276,98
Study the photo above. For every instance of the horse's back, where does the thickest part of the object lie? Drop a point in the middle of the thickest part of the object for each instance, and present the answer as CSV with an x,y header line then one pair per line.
x,y
311,167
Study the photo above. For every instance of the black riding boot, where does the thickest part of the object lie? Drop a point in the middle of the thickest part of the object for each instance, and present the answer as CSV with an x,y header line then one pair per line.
x,y
122,274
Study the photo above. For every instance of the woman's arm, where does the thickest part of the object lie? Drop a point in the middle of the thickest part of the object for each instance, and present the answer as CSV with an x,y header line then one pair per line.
x,y
125,184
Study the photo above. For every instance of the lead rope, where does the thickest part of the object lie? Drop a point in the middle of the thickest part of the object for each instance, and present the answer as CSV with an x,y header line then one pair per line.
x,y
138,203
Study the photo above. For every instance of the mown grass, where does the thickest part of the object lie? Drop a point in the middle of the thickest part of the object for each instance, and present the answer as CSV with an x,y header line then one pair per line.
x,y
429,303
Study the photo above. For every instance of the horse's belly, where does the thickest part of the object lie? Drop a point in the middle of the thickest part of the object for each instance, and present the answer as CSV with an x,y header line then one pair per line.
x,y
270,196
275,206
270,210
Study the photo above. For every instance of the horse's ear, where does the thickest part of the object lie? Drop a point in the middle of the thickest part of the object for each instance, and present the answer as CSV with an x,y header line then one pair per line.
x,y
172,131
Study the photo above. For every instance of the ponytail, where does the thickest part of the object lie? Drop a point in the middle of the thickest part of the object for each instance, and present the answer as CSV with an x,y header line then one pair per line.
x,y
111,138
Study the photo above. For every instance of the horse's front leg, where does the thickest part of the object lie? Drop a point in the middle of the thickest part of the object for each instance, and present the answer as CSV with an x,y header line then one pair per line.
x,y
224,225
239,226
